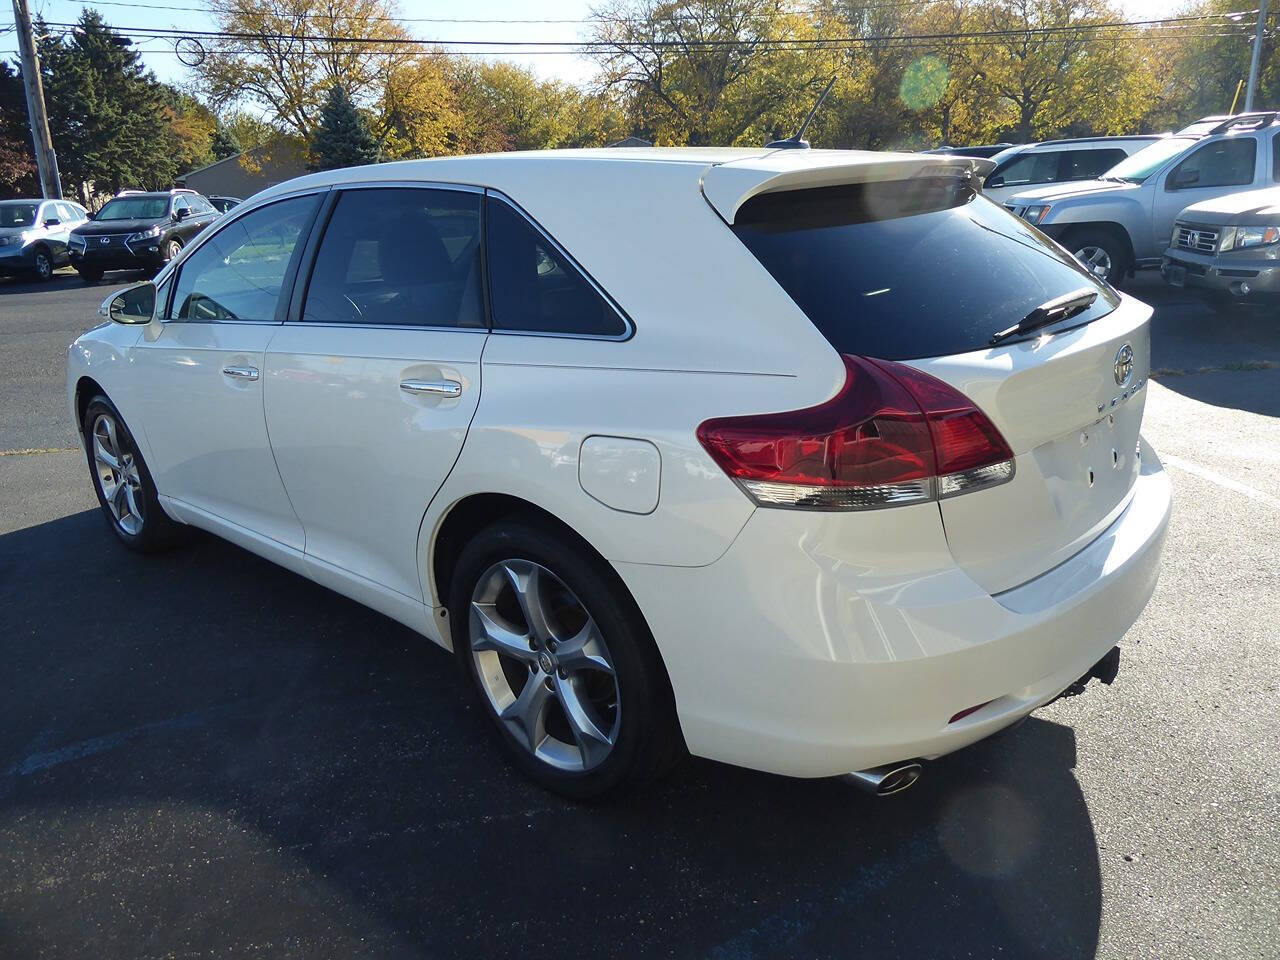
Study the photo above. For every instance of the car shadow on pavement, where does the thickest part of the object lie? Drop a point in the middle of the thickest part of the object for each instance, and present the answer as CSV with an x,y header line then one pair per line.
x,y
201,752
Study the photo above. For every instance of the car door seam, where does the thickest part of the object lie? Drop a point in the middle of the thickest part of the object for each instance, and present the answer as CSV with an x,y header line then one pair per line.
x,y
427,595
266,426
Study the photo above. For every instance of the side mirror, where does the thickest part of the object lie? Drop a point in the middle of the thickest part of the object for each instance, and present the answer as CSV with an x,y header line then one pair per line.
x,y
90,215
52,222
136,304
996,181
181,215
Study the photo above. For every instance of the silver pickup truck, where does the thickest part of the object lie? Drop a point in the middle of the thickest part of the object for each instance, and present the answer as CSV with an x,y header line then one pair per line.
x,y
1123,221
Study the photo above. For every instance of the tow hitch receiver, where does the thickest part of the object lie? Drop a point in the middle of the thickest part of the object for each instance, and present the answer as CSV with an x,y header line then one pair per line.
x,y
1104,670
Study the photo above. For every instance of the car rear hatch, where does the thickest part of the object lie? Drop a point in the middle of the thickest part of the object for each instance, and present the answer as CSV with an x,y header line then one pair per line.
x,y
902,260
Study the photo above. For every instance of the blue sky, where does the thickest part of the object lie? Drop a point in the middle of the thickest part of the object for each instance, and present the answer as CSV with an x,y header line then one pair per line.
x,y
159,55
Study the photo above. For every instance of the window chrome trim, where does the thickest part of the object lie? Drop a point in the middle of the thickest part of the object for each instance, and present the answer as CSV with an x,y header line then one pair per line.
x,y
429,328
627,322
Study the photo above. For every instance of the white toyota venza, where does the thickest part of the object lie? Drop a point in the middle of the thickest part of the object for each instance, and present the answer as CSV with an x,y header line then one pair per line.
x,y
814,462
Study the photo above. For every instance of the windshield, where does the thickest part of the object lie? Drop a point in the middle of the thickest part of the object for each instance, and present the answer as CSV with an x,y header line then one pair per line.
x,y
17,214
135,208
910,268
1148,160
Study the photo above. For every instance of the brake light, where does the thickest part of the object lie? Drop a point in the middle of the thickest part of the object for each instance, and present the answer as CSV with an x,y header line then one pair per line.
x,y
891,435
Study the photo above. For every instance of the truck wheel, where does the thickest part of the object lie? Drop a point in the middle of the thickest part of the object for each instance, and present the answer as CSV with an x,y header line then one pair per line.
x,y
1101,253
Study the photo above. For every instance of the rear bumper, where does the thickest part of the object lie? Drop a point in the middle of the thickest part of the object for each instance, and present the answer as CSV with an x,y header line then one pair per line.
x,y
1224,275
808,651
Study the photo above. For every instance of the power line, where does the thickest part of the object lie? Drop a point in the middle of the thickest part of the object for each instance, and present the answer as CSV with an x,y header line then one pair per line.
x,y
608,45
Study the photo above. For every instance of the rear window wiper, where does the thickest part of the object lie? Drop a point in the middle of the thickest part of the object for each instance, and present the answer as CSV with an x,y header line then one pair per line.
x,y
1051,311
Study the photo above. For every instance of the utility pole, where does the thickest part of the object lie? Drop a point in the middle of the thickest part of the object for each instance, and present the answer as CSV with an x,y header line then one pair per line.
x,y
46,161
1253,62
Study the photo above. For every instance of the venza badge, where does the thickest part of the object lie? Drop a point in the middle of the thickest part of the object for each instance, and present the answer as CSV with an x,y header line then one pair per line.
x,y
1123,369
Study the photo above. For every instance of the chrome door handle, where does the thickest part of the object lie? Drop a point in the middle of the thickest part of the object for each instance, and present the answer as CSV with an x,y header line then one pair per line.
x,y
437,388
241,373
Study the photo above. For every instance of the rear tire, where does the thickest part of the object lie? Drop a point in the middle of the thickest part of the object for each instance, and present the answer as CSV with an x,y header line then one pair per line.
x,y
1101,252
89,274
561,662
125,490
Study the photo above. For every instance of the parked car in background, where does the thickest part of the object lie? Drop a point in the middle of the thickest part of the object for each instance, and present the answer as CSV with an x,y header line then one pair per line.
x,y
1229,245
1058,161
34,236
223,204
986,151
137,230
1122,221
771,475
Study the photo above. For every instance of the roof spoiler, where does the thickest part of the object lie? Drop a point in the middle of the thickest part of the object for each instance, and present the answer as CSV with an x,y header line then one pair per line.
x,y
727,186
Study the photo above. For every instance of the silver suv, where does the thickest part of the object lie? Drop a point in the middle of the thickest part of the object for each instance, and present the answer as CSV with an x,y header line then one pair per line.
x,y
1122,221
34,235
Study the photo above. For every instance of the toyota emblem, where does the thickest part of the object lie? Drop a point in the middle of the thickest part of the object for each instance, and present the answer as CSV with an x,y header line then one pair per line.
x,y
1123,369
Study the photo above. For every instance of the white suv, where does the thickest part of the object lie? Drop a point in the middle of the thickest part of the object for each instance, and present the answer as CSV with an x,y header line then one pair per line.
x,y
808,461
1058,161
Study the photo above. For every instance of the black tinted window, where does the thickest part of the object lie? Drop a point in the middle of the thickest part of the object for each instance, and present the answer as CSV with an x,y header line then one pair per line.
x,y
1089,164
238,273
908,269
403,257
1225,163
534,287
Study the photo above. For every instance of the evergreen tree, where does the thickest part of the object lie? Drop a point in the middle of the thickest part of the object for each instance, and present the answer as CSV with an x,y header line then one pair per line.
x,y
107,113
225,143
17,161
342,138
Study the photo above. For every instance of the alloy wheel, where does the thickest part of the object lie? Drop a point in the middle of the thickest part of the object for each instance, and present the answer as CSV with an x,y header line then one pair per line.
x,y
117,471
1096,260
544,666
174,248
44,266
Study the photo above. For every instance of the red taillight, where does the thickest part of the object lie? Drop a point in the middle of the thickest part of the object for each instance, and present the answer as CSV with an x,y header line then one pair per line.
x,y
891,435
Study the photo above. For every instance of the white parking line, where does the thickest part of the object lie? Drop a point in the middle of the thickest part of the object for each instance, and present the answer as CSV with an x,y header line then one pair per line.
x,y
1219,479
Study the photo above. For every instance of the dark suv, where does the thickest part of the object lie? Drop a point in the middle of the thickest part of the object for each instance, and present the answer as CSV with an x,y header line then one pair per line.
x,y
138,231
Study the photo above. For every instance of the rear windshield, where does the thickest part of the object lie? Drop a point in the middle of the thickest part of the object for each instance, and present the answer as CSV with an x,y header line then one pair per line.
x,y
910,268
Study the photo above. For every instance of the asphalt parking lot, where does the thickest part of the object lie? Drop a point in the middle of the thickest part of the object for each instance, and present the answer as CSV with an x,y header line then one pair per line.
x,y
203,755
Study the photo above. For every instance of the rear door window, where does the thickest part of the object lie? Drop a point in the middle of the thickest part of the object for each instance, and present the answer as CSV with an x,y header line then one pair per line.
x,y
535,287
1089,164
908,269
399,257
1223,163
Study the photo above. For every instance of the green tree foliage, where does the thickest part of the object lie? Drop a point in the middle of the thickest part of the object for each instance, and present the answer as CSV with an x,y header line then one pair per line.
x,y
708,71
109,118
342,137
225,143
1203,72
274,64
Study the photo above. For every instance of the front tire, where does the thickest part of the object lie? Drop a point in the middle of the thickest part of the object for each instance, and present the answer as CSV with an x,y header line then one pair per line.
x,y
42,265
561,662
125,490
1101,252
171,249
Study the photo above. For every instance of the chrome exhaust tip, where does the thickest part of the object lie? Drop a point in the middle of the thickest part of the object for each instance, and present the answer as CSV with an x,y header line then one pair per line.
x,y
887,779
